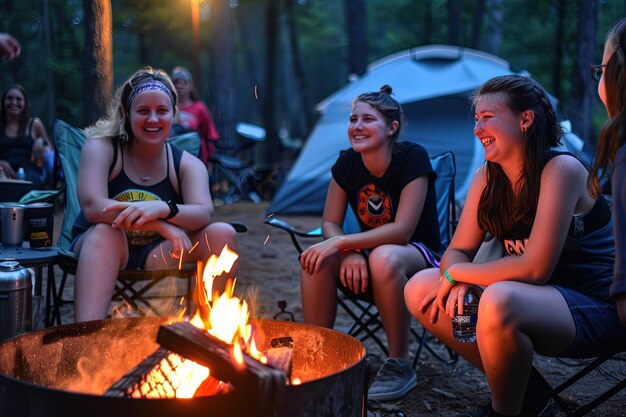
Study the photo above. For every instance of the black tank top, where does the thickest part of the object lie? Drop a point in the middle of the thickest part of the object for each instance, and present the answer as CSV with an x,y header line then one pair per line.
x,y
586,261
17,150
121,188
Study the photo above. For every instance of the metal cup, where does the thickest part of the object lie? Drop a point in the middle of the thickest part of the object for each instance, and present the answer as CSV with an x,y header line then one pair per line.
x,y
40,224
13,216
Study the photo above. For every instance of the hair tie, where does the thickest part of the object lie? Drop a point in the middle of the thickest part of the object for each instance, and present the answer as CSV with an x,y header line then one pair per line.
x,y
148,86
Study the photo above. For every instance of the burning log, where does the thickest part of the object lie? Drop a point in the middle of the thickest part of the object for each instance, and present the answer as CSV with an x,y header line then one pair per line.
x,y
251,376
159,376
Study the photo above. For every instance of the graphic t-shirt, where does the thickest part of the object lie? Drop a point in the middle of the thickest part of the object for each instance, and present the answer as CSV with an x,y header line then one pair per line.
x,y
375,200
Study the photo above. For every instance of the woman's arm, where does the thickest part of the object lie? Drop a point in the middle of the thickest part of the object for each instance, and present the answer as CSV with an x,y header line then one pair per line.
x,y
468,236
198,208
334,210
92,185
563,193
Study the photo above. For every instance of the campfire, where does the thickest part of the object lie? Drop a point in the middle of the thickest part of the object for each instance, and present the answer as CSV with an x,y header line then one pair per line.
x,y
219,334
219,362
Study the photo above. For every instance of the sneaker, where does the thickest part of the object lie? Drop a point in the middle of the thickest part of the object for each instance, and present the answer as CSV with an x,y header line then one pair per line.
x,y
394,379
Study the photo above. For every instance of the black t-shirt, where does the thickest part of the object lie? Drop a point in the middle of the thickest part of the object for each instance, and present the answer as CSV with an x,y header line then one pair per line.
x,y
375,200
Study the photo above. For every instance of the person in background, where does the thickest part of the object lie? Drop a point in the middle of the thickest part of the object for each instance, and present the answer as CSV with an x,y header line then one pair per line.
x,y
9,46
390,187
550,294
193,114
144,202
611,152
23,139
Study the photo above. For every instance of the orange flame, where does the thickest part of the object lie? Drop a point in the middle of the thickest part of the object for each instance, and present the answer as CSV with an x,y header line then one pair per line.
x,y
226,317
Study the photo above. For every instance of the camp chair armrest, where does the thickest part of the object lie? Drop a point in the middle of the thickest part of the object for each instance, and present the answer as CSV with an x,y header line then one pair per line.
x,y
283,225
239,227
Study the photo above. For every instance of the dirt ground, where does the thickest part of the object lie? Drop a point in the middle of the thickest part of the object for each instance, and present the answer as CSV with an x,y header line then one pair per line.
x,y
269,273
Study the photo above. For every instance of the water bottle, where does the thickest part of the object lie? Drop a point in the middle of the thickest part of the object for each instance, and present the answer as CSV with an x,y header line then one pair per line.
x,y
464,325
20,174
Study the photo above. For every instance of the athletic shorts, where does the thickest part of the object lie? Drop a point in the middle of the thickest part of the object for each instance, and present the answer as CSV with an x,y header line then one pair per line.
x,y
431,258
137,255
598,327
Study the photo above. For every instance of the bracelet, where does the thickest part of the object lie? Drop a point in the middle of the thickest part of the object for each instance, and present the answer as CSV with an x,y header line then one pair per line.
x,y
449,278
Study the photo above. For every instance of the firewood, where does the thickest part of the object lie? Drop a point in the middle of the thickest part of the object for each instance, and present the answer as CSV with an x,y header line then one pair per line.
x,y
261,381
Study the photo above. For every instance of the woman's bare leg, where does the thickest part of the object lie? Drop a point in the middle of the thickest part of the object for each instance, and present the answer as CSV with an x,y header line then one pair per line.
x,y
103,252
390,266
514,320
319,293
416,289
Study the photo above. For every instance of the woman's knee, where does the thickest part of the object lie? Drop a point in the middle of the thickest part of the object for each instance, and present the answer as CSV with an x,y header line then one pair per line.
x,y
220,233
496,310
419,286
386,263
102,234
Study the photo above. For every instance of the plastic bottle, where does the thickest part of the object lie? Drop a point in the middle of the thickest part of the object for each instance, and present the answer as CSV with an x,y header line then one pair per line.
x,y
464,325
20,174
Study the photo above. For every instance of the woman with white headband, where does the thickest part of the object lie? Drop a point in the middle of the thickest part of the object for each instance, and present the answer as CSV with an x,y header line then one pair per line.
x,y
144,201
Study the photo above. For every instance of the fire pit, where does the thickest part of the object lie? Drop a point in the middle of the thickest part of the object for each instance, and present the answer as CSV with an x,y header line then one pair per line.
x,y
219,363
63,371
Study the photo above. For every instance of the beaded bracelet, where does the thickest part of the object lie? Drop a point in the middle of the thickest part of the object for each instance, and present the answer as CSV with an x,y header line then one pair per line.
x,y
449,278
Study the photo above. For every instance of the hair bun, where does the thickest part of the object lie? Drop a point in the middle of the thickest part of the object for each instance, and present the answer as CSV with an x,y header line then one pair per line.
x,y
386,89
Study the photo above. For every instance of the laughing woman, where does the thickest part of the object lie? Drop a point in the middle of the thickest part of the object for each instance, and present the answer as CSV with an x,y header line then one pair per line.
x,y
551,294
390,186
139,195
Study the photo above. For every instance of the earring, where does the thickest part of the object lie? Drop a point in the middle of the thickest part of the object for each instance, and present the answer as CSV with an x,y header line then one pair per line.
x,y
524,130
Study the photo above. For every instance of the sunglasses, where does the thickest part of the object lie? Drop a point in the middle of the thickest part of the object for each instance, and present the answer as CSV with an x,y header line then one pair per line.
x,y
596,71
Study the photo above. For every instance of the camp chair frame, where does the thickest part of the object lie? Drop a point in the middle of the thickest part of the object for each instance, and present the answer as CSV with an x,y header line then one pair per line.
x,y
576,411
68,143
366,319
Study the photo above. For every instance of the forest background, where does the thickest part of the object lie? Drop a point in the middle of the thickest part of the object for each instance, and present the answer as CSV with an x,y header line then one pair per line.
x,y
269,62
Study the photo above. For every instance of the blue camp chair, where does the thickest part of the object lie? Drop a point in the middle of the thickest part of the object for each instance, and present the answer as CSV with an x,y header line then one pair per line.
x,y
366,319
133,286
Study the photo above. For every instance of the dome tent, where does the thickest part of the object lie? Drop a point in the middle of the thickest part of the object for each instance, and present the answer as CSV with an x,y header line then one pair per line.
x,y
433,84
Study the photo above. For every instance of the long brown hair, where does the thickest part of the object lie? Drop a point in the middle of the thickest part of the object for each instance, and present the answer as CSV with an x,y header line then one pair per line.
x,y
613,133
497,200
24,116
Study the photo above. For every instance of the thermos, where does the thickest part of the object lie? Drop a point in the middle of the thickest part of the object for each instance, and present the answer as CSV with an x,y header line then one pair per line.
x,y
16,301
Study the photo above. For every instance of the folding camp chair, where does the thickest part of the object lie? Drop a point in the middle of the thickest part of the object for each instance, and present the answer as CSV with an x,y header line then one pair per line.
x,y
135,287
366,319
573,410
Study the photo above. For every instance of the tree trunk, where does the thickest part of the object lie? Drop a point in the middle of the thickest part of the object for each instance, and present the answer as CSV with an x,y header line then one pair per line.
x,y
428,22
222,63
494,34
294,66
477,24
356,29
266,151
98,59
558,48
583,86
454,22
49,74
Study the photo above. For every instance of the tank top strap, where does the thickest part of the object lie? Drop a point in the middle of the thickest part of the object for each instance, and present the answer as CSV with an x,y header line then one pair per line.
x,y
30,127
177,155
114,161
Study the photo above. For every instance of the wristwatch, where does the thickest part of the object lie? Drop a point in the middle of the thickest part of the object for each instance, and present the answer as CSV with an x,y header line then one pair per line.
x,y
173,209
